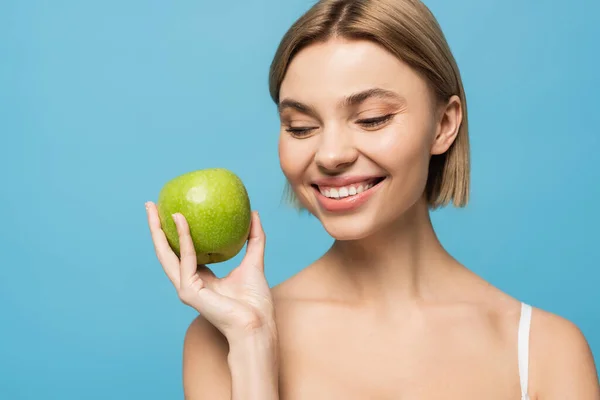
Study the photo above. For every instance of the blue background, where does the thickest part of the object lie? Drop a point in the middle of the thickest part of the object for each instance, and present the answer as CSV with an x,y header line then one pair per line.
x,y
102,102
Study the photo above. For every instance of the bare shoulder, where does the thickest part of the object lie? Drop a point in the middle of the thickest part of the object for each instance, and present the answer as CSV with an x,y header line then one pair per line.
x,y
562,362
205,369
289,289
302,297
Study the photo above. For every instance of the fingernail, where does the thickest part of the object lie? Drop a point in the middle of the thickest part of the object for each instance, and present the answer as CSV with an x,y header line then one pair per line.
x,y
174,217
147,204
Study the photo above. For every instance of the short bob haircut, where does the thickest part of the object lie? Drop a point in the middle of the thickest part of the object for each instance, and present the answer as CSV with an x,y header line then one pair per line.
x,y
408,30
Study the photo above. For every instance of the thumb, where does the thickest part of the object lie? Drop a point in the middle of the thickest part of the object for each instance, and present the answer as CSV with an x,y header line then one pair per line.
x,y
255,251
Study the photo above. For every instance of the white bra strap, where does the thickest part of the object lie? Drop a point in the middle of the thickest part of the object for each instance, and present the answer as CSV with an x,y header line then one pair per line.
x,y
523,348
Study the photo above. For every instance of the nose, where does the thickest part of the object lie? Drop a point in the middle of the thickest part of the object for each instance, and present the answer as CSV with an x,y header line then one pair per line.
x,y
336,150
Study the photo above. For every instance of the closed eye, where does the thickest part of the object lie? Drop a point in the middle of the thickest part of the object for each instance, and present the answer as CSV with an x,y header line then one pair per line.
x,y
375,122
300,132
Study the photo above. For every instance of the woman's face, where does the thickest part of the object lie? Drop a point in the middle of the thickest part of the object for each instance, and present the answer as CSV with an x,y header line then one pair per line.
x,y
358,127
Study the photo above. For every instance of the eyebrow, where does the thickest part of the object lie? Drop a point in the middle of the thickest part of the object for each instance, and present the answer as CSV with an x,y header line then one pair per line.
x,y
349,101
296,105
357,98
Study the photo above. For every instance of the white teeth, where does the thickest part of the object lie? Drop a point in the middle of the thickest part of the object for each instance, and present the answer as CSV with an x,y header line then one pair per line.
x,y
345,191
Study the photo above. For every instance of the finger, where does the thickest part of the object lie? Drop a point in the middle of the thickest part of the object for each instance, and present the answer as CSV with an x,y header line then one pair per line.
x,y
205,300
164,253
221,311
206,274
255,251
189,262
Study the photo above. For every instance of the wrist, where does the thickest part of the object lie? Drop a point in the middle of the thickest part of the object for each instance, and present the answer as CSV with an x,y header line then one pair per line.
x,y
262,343
254,365
256,331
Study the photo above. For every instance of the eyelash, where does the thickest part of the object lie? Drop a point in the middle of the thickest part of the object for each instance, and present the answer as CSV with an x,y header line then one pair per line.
x,y
300,132
374,122
367,123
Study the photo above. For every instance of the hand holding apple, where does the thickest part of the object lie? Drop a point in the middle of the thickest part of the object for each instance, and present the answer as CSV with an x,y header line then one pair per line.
x,y
217,224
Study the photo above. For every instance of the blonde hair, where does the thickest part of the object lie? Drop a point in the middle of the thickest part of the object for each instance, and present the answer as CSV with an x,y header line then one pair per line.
x,y
407,29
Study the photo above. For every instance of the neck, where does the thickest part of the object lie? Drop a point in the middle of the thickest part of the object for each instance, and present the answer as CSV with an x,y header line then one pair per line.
x,y
403,262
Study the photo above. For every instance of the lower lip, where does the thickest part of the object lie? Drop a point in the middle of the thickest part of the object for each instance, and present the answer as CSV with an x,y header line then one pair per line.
x,y
349,203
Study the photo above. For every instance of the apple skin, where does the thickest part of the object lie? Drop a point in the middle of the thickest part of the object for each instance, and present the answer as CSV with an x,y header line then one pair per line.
x,y
216,206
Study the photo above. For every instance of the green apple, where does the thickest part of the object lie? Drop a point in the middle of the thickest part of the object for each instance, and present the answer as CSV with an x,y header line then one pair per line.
x,y
215,204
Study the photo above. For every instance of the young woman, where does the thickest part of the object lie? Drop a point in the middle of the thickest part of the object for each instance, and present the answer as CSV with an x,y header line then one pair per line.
x,y
373,136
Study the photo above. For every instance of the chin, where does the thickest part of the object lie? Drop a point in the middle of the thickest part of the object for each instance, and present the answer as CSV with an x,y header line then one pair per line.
x,y
364,223
347,234
351,227
370,215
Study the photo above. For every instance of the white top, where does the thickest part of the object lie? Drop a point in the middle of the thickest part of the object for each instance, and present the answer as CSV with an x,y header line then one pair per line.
x,y
523,348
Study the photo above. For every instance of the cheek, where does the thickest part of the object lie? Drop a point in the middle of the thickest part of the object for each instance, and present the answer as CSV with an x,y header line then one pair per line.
x,y
404,151
294,157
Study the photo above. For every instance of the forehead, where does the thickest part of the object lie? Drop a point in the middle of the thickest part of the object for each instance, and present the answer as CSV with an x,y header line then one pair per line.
x,y
338,67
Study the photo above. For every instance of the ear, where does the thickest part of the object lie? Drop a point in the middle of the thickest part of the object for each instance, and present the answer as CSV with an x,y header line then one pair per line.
x,y
448,126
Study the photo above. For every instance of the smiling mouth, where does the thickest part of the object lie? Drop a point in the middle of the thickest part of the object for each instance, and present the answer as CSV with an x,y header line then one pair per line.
x,y
347,191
